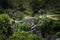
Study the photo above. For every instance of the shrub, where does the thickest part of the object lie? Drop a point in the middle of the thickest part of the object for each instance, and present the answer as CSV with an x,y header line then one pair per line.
x,y
23,26
5,27
58,34
22,35
49,26
45,24
19,15
16,15
56,26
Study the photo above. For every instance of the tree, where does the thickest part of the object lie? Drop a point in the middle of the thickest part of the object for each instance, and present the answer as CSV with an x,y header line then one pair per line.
x,y
23,26
19,15
22,35
16,15
45,5
5,27
45,24
49,26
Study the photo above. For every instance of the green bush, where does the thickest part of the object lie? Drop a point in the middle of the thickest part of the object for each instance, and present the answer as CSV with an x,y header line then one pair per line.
x,y
49,25
5,27
58,34
22,35
19,15
56,26
16,15
23,26
45,25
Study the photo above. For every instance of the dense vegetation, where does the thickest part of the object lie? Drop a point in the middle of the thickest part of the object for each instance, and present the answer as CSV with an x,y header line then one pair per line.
x,y
5,27
29,19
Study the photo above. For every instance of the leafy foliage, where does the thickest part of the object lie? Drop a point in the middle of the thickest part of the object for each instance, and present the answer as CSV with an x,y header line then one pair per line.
x,y
56,26
16,15
23,26
5,27
45,24
19,15
22,35
48,25
58,34
29,7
